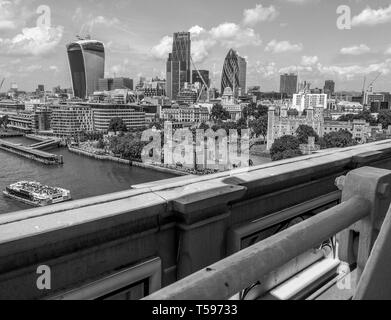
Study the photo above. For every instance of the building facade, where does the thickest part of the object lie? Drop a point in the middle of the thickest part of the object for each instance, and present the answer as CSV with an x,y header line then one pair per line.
x,y
329,88
193,114
230,104
303,101
288,84
178,68
69,120
103,113
87,65
234,73
283,124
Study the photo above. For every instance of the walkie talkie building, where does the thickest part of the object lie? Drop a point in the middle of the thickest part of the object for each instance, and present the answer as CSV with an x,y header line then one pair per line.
x,y
234,73
87,66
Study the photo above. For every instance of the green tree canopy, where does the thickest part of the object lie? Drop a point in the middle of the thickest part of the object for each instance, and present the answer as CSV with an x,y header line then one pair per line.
x,y
255,111
363,115
218,113
385,118
117,125
303,132
259,126
4,121
340,139
285,147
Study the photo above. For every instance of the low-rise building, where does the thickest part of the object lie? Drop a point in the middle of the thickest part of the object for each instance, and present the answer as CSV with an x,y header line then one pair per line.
x,y
27,121
103,113
283,124
193,114
70,119
230,104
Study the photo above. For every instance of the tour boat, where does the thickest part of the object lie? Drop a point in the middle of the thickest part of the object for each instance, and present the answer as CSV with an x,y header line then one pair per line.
x,y
36,194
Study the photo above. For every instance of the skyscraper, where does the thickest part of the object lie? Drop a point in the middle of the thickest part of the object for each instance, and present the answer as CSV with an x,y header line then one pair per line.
x,y
87,66
329,88
288,84
234,73
179,64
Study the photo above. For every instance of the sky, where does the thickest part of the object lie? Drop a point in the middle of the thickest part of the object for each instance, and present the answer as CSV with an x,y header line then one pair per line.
x,y
316,38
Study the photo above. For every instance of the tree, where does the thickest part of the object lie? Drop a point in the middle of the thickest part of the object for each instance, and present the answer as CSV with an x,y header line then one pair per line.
x,y
4,122
340,139
158,124
385,118
255,111
117,125
363,115
293,113
347,117
303,132
218,113
285,147
100,144
203,126
367,116
259,126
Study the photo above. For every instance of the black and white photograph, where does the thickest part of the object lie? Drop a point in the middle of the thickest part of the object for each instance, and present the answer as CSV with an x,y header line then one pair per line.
x,y
192,156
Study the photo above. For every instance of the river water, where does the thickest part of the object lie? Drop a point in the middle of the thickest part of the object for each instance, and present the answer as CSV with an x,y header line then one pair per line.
x,y
85,177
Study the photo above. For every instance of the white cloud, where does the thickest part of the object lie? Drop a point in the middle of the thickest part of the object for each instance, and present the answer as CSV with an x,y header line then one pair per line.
x,y
283,46
99,20
230,34
311,67
226,34
388,51
266,70
301,1
32,41
12,15
349,72
54,68
163,48
355,50
259,14
372,17
309,60
31,68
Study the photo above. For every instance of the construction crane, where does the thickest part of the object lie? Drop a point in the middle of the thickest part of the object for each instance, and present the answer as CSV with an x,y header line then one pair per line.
x,y
2,82
363,90
370,86
204,84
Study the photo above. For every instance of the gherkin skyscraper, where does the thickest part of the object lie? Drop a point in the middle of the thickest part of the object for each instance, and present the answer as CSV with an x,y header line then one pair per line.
x,y
234,73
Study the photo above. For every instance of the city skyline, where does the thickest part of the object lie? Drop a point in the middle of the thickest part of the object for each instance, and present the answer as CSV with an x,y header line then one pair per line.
x,y
275,37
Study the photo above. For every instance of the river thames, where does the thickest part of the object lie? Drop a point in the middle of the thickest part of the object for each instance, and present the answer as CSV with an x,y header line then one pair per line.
x,y
84,177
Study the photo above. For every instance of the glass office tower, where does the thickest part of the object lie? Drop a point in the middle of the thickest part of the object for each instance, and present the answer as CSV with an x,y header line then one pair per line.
x,y
87,66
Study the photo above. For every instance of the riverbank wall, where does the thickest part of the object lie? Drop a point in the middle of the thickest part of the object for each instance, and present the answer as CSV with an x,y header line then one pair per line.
x,y
127,162
10,135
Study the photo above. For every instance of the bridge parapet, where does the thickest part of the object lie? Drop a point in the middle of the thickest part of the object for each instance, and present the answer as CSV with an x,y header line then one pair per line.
x,y
168,228
365,201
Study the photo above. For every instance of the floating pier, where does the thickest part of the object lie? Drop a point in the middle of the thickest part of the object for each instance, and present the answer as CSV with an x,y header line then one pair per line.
x,y
31,153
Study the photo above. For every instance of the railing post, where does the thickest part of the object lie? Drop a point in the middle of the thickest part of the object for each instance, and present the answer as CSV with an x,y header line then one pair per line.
x,y
202,226
356,242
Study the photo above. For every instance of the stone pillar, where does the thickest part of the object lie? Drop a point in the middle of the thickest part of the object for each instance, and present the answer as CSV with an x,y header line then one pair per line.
x,y
202,226
270,127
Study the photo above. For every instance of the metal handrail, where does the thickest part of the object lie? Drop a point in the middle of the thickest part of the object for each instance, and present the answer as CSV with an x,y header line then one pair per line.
x,y
231,275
